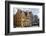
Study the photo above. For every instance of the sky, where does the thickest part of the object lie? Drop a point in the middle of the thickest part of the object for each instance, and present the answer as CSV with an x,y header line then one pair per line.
x,y
35,11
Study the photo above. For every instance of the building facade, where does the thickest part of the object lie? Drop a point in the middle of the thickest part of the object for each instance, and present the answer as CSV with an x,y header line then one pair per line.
x,y
23,19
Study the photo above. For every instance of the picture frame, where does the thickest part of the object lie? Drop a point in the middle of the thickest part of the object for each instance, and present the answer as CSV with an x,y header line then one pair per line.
x,y
23,31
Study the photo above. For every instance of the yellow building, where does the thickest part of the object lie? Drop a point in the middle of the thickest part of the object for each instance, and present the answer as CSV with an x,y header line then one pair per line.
x,y
22,19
